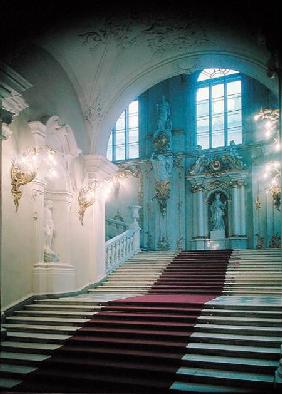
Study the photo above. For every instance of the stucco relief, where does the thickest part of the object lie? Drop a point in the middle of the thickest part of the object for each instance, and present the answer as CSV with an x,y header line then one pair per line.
x,y
218,163
159,34
129,169
94,112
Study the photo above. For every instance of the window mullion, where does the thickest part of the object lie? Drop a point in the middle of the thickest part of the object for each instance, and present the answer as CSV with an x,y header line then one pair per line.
x,y
126,131
210,115
225,114
114,144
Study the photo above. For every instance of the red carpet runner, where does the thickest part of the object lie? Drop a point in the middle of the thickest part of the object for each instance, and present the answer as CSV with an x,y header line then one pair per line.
x,y
135,345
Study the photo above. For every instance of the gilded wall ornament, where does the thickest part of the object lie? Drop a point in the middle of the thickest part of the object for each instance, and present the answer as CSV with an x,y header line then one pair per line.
x,y
163,243
276,196
180,243
162,142
260,242
129,169
215,163
86,198
258,203
275,241
20,175
162,194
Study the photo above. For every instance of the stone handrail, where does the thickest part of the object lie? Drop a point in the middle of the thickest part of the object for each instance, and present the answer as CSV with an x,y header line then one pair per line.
x,y
115,227
121,248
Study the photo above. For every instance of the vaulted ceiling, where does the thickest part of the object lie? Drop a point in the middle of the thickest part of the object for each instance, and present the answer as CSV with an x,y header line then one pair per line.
x,y
88,66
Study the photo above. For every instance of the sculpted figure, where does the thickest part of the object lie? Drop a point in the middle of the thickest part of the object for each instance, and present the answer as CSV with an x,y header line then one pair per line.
x,y
217,211
164,120
49,232
162,166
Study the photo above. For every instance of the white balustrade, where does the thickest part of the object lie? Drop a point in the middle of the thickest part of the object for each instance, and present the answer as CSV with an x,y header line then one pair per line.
x,y
121,248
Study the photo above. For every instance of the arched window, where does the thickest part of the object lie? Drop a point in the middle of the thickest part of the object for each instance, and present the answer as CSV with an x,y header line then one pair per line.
x,y
124,140
218,108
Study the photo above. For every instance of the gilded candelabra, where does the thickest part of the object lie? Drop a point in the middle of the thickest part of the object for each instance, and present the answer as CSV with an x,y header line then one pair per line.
x,y
86,198
162,194
20,176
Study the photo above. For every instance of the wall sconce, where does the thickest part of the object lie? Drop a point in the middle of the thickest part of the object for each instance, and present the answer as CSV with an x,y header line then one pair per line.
x,y
271,119
86,198
26,167
20,175
273,170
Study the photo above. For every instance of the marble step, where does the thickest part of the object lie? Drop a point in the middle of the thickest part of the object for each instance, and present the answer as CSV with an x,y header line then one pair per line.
x,y
259,274
238,329
229,378
26,347
70,301
54,321
248,314
9,383
230,363
120,276
258,286
132,290
56,313
193,388
233,305
230,350
236,339
149,268
35,337
64,308
255,263
242,321
15,371
31,359
41,328
252,292
252,281
126,286
116,294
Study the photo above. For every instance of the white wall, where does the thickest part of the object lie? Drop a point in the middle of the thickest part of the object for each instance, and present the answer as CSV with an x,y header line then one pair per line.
x,y
17,252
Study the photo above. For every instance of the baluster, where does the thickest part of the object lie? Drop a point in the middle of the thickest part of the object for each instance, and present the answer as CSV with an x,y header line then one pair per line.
x,y
118,246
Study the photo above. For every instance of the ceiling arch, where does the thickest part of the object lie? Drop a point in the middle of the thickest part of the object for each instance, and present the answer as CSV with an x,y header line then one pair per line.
x,y
111,62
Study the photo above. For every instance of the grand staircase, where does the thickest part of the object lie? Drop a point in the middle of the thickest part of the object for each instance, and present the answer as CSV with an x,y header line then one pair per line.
x,y
37,330
195,322
136,276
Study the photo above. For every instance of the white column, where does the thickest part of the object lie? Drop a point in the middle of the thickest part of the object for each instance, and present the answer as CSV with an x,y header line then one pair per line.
x,y
235,209
38,188
97,168
61,215
200,213
242,209
194,214
57,277
135,226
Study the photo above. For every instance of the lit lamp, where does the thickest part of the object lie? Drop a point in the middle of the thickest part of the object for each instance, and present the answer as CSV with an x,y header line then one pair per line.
x,y
21,174
271,118
86,198
26,167
273,170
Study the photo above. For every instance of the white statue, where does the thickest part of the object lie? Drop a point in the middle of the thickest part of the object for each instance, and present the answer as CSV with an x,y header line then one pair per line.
x,y
162,166
164,119
49,232
217,212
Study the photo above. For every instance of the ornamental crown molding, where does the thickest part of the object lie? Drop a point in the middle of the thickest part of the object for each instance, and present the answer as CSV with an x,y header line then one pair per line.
x,y
38,131
217,162
12,85
98,167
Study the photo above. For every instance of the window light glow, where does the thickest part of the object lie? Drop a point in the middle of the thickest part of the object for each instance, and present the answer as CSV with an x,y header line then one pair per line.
x,y
124,140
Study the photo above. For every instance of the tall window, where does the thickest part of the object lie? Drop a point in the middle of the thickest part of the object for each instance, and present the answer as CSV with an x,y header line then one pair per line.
x,y
218,108
124,140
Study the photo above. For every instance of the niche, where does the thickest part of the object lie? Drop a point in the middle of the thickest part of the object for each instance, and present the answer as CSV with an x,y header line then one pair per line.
x,y
218,215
